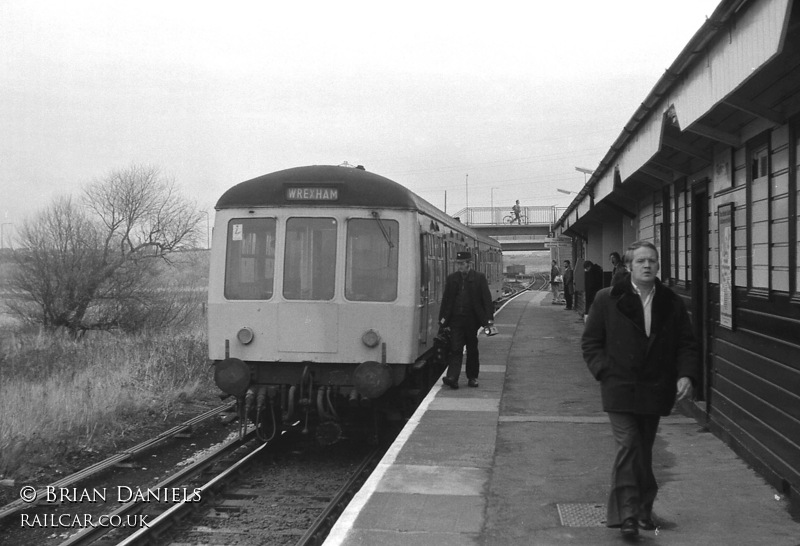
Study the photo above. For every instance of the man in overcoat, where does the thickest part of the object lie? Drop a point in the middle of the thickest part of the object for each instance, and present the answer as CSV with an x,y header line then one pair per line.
x,y
618,267
569,289
592,283
466,306
638,343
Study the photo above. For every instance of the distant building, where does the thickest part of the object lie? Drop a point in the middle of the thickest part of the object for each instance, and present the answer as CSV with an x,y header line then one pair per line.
x,y
514,270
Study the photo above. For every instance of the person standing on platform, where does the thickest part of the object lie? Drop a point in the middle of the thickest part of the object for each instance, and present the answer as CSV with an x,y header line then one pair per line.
x,y
569,289
592,281
466,306
555,280
618,269
638,343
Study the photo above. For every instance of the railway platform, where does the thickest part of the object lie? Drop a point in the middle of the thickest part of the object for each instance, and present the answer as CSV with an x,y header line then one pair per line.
x,y
525,459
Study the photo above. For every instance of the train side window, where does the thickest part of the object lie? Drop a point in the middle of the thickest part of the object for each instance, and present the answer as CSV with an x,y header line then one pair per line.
x,y
309,259
371,264
250,259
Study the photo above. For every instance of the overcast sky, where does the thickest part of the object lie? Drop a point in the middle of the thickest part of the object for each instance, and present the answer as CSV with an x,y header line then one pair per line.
x,y
513,94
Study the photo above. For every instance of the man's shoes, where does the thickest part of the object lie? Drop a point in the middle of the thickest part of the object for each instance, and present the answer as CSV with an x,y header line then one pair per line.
x,y
472,382
452,383
647,523
630,528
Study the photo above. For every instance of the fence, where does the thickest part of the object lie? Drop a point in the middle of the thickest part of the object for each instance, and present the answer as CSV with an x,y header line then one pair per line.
x,y
540,215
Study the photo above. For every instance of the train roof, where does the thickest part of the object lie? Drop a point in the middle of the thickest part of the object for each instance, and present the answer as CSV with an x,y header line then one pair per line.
x,y
326,185
355,187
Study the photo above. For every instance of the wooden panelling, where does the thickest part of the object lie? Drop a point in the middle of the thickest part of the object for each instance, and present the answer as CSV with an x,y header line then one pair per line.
x,y
772,445
774,469
763,379
771,327
773,429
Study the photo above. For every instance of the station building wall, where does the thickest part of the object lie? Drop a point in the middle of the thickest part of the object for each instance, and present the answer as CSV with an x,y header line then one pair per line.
x,y
751,395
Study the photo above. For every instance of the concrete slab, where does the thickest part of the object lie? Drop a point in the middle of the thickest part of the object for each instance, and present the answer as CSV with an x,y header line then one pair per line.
x,y
492,368
466,404
372,537
445,439
424,479
430,513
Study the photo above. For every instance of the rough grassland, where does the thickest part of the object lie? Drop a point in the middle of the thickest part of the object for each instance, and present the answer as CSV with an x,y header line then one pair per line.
x,y
60,396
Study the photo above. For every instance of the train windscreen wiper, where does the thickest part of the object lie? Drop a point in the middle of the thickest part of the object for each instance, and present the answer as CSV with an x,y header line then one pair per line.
x,y
383,229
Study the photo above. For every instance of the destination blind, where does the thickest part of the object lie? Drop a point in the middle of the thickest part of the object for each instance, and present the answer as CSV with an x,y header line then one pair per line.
x,y
312,194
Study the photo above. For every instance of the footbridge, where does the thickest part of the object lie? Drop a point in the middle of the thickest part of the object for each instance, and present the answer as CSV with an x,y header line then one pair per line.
x,y
533,231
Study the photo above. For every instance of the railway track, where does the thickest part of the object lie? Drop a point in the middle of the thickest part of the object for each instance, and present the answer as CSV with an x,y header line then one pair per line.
x,y
264,493
40,495
142,512
285,500
282,491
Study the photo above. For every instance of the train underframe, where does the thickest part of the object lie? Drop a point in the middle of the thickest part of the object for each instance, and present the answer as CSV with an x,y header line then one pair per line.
x,y
328,400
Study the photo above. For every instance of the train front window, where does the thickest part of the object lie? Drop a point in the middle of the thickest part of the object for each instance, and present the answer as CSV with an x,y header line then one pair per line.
x,y
371,268
310,259
250,259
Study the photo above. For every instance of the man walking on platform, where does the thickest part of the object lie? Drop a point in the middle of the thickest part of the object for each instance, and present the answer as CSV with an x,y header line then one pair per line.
x,y
466,306
638,343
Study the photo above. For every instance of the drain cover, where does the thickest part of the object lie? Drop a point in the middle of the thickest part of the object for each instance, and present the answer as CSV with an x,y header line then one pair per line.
x,y
582,515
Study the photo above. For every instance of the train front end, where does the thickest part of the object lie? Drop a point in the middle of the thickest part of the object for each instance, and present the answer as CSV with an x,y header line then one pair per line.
x,y
312,296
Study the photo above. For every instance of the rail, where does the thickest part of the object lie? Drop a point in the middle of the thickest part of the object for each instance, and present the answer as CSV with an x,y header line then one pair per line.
x,y
168,517
319,530
157,526
17,506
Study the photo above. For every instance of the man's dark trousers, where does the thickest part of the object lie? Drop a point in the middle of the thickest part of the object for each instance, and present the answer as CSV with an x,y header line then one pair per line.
x,y
463,331
633,485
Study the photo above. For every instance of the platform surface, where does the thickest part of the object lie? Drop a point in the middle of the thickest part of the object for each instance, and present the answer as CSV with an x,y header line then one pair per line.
x,y
525,459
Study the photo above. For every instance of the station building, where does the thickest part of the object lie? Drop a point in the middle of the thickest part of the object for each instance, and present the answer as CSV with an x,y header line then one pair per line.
x,y
707,170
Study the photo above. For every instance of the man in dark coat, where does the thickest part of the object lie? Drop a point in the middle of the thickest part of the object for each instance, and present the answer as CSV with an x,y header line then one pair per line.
x,y
466,306
592,283
618,269
569,289
638,343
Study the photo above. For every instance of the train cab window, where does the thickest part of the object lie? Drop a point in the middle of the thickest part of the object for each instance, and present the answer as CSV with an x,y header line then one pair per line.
x,y
250,259
310,259
371,265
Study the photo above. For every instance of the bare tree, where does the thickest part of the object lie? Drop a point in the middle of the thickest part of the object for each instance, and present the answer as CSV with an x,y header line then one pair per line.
x,y
143,215
59,253
91,266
